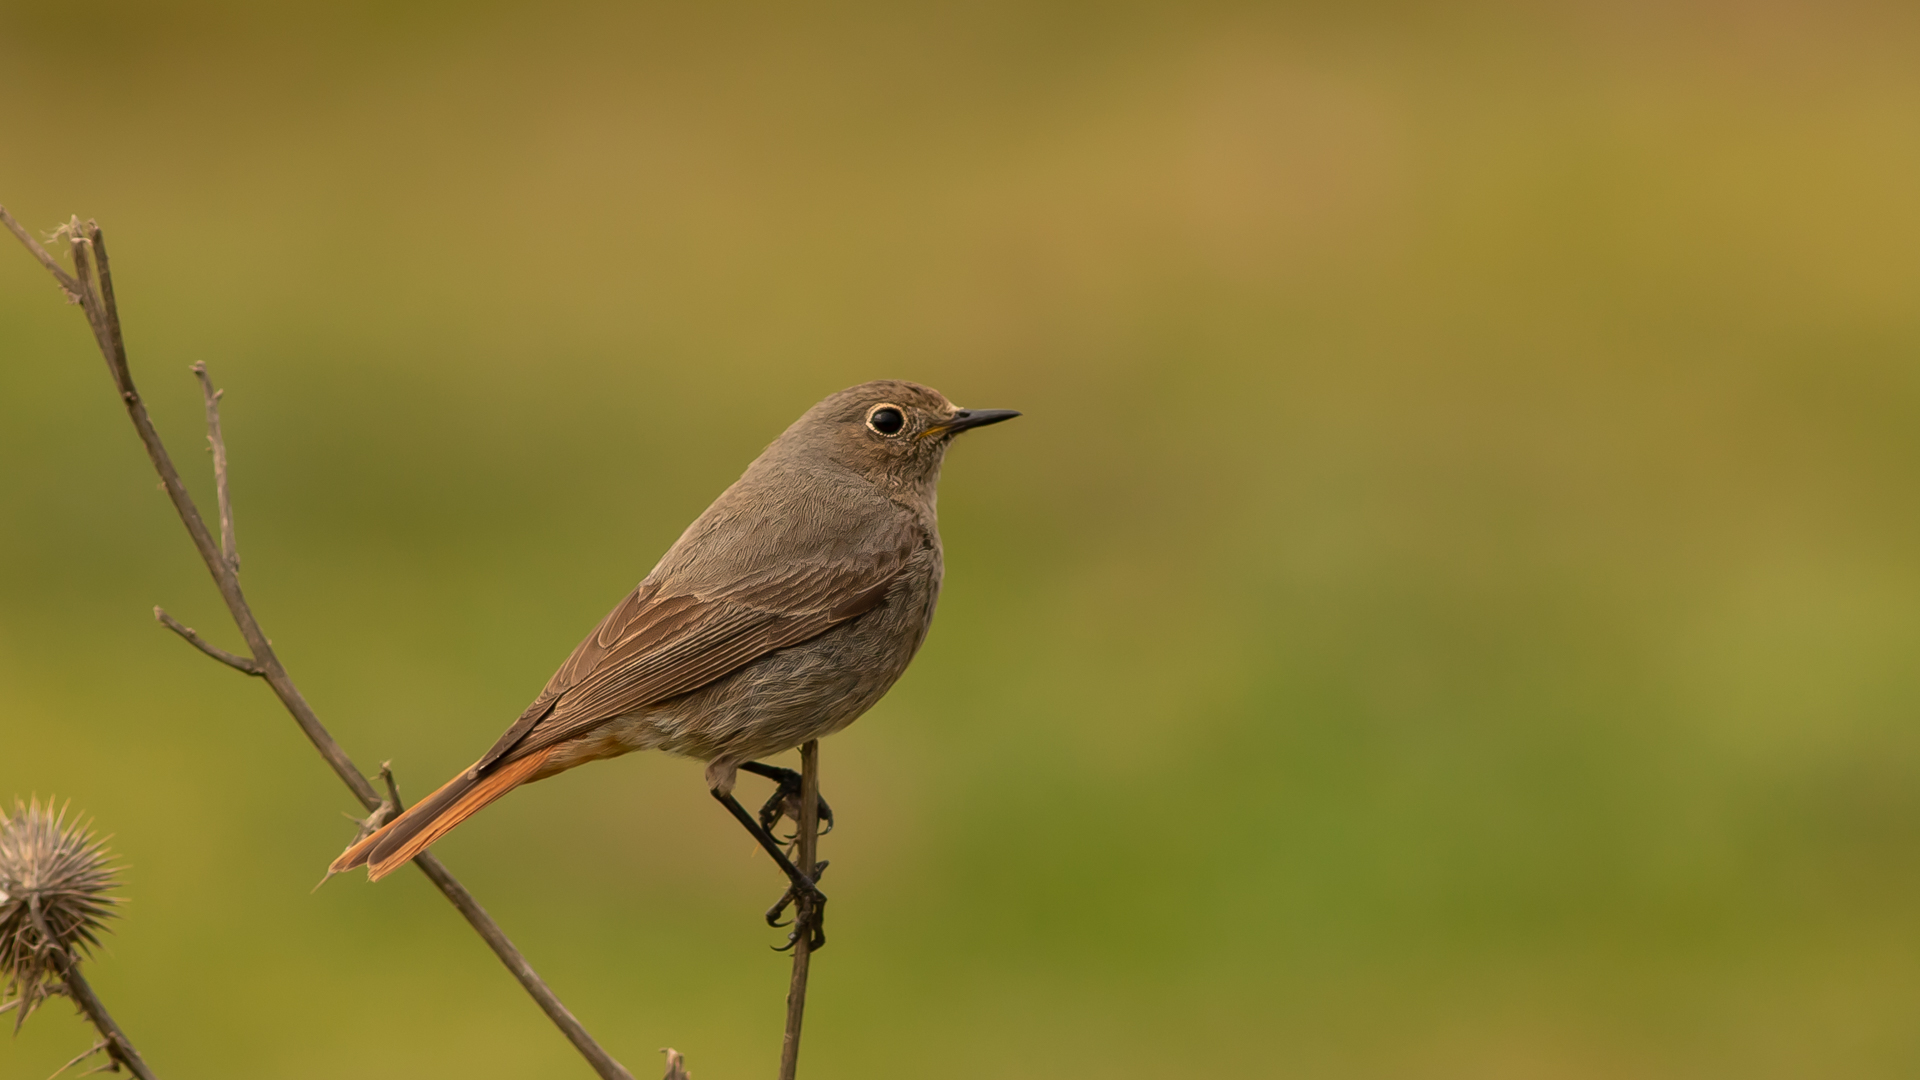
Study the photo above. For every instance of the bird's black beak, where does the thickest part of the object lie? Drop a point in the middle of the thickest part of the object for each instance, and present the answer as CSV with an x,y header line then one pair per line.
x,y
973,418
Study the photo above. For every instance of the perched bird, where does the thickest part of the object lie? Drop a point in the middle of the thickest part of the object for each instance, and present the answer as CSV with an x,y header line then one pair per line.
x,y
783,612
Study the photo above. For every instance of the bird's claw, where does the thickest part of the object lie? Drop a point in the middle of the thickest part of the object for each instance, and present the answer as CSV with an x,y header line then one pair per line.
x,y
780,906
785,800
811,917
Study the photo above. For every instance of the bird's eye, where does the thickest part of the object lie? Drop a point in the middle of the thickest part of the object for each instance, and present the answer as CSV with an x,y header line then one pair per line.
x,y
887,420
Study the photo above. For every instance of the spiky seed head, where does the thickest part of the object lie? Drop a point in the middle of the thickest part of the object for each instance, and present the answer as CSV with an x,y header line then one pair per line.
x,y
57,870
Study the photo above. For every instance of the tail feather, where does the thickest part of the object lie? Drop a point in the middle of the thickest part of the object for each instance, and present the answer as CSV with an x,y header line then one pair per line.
x,y
396,843
409,822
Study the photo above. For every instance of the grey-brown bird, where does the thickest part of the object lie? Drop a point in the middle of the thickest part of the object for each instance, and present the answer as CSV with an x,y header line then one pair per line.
x,y
783,612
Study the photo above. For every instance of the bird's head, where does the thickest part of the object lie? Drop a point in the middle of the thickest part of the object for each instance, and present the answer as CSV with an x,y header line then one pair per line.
x,y
895,433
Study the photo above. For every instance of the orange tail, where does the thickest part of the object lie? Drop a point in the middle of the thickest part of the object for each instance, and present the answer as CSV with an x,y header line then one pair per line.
x,y
394,844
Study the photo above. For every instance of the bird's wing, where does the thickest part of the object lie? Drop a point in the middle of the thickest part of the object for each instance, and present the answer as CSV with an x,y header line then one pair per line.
x,y
658,644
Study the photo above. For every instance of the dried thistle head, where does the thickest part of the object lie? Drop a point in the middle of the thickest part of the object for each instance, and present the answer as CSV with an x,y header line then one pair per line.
x,y
54,876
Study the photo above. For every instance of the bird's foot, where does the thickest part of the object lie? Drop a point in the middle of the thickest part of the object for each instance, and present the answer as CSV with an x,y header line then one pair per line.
x,y
809,915
809,903
785,800
781,905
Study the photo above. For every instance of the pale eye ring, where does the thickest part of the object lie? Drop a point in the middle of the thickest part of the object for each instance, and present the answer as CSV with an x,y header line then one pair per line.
x,y
888,420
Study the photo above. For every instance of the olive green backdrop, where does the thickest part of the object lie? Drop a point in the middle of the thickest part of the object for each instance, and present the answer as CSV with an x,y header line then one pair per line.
x,y
1450,609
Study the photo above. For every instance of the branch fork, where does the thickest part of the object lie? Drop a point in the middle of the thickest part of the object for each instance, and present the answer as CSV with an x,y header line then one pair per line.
x,y
90,285
243,664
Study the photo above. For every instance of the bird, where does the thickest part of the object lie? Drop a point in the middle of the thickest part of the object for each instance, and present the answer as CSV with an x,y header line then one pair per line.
x,y
785,611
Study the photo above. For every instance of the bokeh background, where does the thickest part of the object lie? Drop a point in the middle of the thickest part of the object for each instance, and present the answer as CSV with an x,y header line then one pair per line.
x,y
1450,609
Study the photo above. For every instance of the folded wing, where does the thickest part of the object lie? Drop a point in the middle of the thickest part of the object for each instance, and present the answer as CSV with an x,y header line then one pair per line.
x,y
657,645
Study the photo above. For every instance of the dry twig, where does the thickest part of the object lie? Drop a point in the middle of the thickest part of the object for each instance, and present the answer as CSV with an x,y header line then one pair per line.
x,y
808,838
119,1047
91,286
229,547
78,1058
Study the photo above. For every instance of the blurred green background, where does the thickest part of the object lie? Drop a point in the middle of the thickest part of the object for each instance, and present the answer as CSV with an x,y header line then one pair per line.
x,y
1449,610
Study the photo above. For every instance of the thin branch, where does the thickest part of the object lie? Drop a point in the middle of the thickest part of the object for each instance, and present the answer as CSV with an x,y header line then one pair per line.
x,y
118,1045
93,307
78,1058
809,839
103,317
65,279
392,805
238,663
116,345
229,547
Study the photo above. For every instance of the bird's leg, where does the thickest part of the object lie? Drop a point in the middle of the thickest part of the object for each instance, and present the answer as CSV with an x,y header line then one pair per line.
x,y
810,913
785,800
